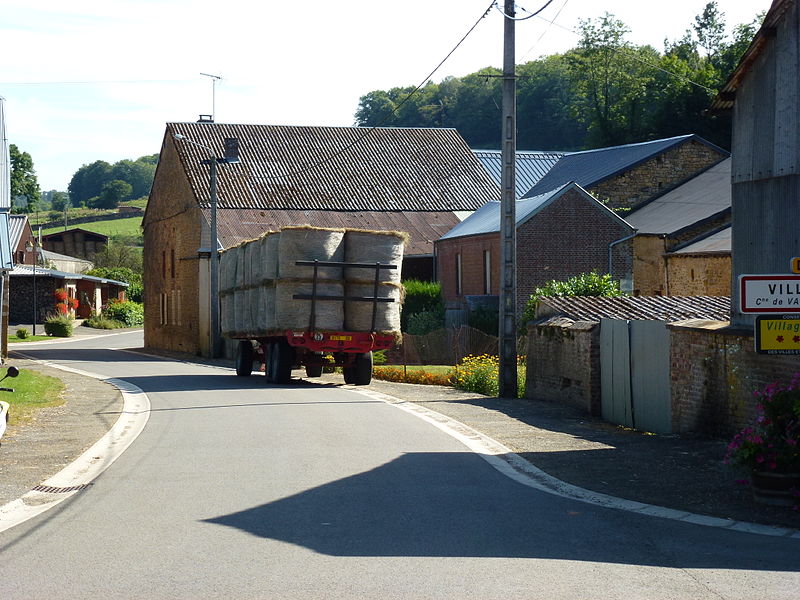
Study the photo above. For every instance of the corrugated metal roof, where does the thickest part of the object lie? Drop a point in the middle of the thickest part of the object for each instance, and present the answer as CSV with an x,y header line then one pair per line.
x,y
644,308
530,168
699,198
716,243
335,168
6,258
591,167
16,227
487,218
5,161
423,228
27,271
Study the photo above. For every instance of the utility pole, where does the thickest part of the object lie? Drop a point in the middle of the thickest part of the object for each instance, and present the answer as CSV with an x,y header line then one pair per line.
x,y
508,214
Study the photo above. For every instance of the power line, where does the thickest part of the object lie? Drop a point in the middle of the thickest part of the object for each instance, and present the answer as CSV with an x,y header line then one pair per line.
x,y
391,113
530,14
95,82
546,29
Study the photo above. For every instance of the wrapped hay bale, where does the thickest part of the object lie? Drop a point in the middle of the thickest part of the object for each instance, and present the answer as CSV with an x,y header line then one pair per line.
x,y
241,267
269,254
239,310
358,314
296,314
362,246
226,313
255,270
310,243
227,270
267,301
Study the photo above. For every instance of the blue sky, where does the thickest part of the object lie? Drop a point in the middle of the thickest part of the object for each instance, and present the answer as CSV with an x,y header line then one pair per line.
x,y
98,79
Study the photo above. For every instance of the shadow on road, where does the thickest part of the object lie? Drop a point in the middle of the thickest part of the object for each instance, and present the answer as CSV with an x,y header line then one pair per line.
x,y
439,504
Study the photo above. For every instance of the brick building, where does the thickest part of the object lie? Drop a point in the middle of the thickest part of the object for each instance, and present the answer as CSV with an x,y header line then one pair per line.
x,y
561,233
420,181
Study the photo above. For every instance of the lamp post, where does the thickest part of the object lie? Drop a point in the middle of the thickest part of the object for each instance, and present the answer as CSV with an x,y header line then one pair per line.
x,y
30,246
231,156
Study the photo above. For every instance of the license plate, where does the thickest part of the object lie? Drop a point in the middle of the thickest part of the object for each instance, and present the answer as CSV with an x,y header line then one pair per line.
x,y
341,338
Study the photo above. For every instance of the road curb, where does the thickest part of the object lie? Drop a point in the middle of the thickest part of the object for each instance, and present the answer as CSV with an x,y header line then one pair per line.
x,y
517,468
79,474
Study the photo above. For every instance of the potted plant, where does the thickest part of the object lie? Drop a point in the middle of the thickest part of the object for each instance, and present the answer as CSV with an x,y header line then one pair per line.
x,y
60,294
769,448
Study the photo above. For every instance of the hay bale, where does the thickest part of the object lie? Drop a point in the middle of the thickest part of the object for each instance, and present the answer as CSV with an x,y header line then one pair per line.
x,y
255,264
227,270
269,254
267,303
296,314
362,246
240,280
310,243
358,315
239,311
227,318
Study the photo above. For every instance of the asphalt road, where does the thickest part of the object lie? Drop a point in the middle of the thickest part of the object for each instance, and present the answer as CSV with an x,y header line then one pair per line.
x,y
238,489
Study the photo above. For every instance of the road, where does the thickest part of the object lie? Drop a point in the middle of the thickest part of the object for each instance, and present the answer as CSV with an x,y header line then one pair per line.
x,y
238,489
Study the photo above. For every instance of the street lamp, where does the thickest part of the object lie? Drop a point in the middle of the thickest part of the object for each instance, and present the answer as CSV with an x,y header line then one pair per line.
x,y
231,156
30,246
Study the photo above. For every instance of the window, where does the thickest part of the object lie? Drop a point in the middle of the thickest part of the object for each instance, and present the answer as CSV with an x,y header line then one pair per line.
x,y
487,272
164,314
172,262
458,274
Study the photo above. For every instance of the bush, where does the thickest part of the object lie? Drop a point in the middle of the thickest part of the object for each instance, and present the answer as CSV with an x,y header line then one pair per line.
x,y
424,322
58,326
130,314
421,296
22,333
585,284
101,322
420,376
379,357
481,374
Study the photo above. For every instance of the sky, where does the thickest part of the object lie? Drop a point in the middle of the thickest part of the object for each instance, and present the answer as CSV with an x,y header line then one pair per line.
x,y
99,79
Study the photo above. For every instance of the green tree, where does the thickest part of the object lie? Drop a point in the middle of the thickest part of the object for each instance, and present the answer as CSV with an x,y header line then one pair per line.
x,y
709,26
139,174
23,178
60,201
119,254
124,274
113,193
88,182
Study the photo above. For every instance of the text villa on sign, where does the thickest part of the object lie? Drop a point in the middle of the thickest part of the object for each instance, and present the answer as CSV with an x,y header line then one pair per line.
x,y
769,293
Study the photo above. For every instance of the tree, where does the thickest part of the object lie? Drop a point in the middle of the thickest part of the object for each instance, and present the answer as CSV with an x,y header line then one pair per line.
x,y
23,178
59,201
119,254
139,174
710,29
113,193
88,182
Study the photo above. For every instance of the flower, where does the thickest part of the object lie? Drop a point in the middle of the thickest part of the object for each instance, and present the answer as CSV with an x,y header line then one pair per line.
x,y
771,442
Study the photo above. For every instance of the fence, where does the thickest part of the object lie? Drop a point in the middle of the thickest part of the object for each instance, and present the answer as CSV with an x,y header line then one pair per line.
x,y
447,346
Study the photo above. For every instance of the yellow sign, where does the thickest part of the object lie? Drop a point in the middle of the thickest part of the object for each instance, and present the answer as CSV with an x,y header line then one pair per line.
x,y
795,265
778,335
342,338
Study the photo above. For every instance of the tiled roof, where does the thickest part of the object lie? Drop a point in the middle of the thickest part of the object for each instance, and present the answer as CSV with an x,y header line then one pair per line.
x,y
642,308
590,167
702,197
487,218
530,168
423,228
335,168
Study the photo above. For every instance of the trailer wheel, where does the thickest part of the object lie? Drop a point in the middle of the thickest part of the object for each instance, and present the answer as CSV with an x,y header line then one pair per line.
x,y
279,362
313,370
361,371
244,358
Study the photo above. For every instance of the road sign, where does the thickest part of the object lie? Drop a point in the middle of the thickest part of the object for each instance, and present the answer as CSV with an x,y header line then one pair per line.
x,y
764,294
794,265
778,335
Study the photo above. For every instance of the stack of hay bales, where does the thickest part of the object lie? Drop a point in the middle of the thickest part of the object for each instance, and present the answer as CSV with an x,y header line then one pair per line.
x,y
259,279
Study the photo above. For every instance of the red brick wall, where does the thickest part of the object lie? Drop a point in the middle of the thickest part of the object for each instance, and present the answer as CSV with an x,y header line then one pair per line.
x,y
569,237
472,250
714,375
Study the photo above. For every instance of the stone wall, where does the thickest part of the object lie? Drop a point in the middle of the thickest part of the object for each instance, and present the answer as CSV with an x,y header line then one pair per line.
x,y
648,265
714,373
699,274
563,364
171,266
656,175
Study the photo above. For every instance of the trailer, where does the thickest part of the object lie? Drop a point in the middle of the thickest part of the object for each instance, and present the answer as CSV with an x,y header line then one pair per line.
x,y
309,308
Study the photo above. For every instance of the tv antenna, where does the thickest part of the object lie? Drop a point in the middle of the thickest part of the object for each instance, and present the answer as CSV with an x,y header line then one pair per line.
x,y
214,79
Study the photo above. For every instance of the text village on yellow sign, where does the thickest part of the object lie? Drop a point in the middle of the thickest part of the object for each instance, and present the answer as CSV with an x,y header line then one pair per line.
x,y
778,335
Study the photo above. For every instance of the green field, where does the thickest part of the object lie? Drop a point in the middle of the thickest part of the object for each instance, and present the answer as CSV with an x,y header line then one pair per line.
x,y
130,227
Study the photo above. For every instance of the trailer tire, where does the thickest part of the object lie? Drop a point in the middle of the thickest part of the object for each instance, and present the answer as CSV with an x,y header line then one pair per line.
x,y
361,371
244,358
279,362
313,370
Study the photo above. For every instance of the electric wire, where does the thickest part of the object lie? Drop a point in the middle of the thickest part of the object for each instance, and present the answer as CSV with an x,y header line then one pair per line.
x,y
388,116
546,29
530,14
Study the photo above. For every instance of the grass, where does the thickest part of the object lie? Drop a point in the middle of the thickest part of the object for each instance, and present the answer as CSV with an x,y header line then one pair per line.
x,y
129,227
32,391
12,339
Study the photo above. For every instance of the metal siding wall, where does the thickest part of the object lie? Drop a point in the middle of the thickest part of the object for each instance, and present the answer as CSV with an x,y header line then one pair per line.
x,y
615,375
650,376
787,85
